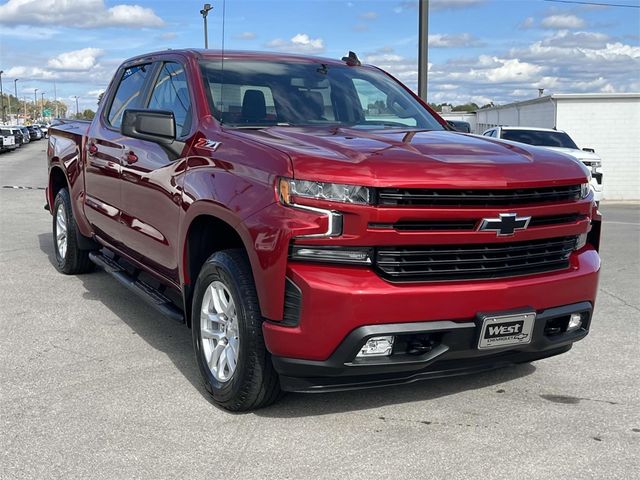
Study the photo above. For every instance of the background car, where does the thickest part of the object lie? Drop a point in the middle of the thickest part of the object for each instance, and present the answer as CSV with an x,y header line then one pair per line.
x,y
17,134
44,128
557,140
25,133
34,132
7,140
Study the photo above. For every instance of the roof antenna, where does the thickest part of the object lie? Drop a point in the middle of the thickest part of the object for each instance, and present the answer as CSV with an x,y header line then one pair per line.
x,y
352,60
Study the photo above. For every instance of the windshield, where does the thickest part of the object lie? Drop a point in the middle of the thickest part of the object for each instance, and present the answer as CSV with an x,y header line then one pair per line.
x,y
265,93
540,138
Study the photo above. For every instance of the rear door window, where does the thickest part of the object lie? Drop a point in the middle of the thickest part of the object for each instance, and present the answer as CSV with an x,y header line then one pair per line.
x,y
129,93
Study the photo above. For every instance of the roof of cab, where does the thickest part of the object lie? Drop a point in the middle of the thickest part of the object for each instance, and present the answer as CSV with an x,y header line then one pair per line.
x,y
236,54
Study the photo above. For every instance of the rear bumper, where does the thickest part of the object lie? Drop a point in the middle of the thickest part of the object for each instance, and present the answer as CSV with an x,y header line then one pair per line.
x,y
453,353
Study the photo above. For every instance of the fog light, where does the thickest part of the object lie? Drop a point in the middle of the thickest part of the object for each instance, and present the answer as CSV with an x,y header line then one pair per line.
x,y
377,347
575,322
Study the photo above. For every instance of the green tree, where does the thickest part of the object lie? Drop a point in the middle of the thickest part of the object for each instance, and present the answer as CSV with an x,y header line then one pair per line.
x,y
467,107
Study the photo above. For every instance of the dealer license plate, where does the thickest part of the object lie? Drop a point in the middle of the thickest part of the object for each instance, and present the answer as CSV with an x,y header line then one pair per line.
x,y
506,330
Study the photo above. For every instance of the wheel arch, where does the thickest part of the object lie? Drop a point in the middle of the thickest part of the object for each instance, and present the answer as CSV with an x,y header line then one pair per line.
x,y
57,181
205,235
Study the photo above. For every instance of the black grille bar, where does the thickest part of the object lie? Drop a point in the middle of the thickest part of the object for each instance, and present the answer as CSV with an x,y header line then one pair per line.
x,y
475,197
468,225
466,262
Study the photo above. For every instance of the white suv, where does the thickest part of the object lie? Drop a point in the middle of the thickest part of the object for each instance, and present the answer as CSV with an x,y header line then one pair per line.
x,y
554,140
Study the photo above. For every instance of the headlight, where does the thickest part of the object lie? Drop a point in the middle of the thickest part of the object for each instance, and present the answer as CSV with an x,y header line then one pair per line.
x,y
333,192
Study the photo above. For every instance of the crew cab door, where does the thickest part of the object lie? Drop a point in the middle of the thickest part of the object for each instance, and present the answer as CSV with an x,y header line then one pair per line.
x,y
105,152
152,177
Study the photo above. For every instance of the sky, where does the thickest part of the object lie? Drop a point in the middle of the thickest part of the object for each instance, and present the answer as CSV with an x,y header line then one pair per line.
x,y
479,50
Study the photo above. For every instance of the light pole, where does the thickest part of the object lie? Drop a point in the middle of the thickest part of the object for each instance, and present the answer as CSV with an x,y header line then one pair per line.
x,y
42,103
204,12
55,98
35,103
423,49
77,109
1,96
15,92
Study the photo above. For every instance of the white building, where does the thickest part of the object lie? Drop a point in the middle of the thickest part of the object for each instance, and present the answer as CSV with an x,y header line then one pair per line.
x,y
608,123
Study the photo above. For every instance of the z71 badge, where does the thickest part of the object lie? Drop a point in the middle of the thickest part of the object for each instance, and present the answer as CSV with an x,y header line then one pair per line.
x,y
207,144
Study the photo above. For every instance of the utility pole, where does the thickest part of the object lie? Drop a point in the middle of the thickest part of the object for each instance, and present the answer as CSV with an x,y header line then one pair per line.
x,y
55,98
42,103
77,109
423,48
1,96
204,12
15,91
35,104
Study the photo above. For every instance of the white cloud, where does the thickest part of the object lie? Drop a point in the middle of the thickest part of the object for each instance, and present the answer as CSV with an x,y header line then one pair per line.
x,y
527,23
567,39
168,35
77,13
300,43
369,16
29,32
77,60
453,41
95,93
246,36
563,21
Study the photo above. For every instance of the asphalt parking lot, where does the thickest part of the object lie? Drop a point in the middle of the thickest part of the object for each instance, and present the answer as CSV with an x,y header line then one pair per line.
x,y
94,384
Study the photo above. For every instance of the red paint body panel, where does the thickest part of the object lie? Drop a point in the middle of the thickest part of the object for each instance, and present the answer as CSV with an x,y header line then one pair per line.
x,y
132,197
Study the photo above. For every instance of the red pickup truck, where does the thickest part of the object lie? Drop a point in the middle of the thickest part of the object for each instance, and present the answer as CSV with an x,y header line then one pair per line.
x,y
319,227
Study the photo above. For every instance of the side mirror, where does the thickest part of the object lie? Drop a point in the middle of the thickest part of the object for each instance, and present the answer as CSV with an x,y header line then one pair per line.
x,y
589,150
155,126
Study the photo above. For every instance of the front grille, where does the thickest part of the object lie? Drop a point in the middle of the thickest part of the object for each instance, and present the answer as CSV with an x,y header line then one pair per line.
x,y
468,262
407,197
468,225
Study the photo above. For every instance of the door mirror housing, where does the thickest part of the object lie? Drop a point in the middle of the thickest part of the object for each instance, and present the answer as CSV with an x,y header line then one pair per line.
x,y
157,126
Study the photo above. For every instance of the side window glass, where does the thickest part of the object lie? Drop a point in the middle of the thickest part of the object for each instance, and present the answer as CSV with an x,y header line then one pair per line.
x,y
128,94
378,108
171,93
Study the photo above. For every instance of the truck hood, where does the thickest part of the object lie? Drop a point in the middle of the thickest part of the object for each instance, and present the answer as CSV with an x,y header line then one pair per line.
x,y
409,158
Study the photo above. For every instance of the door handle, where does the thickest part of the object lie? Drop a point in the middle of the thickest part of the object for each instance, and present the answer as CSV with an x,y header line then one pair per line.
x,y
93,149
131,157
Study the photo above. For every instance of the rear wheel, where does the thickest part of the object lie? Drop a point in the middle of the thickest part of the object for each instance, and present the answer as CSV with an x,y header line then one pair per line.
x,y
227,335
70,259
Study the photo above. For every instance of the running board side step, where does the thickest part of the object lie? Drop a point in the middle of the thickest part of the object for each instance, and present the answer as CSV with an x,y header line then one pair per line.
x,y
149,294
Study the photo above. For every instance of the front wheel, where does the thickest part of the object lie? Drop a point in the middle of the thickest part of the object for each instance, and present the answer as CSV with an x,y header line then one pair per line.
x,y
70,259
227,335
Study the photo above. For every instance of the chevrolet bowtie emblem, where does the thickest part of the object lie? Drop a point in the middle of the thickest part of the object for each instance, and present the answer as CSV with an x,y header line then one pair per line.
x,y
506,225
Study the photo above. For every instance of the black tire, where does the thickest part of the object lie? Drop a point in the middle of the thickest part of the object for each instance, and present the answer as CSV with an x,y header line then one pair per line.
x,y
255,383
74,260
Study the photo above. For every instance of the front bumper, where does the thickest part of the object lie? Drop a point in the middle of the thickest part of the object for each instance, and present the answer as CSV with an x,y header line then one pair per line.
x,y
338,299
452,352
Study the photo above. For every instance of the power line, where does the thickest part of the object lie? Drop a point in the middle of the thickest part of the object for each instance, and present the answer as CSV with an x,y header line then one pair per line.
x,y
595,3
